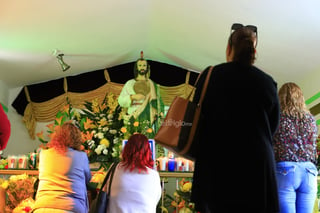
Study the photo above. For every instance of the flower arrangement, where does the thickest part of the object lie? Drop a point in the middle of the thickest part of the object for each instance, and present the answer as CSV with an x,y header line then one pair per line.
x,y
181,198
100,125
3,163
132,126
25,206
18,188
101,128
98,177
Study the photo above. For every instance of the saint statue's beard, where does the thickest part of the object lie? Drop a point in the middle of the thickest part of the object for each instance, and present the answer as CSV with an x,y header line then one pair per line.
x,y
142,72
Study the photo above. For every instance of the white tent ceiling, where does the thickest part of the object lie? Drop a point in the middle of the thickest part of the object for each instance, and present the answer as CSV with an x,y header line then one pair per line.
x,y
187,33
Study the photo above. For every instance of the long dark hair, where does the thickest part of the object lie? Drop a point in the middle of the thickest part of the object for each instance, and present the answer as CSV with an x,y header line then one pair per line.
x,y
242,42
135,68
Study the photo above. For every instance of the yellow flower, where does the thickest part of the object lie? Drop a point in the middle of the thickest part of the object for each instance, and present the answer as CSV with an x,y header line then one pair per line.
x,y
105,141
103,122
136,123
5,184
186,187
176,194
123,130
95,105
185,210
149,130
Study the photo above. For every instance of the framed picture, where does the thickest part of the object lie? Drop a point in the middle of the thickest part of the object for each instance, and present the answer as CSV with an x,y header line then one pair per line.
x,y
152,147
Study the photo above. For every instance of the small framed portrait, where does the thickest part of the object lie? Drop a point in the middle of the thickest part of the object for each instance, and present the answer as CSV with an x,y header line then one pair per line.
x,y
152,147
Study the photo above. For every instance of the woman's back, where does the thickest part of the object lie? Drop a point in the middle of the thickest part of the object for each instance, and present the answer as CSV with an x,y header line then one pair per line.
x,y
134,191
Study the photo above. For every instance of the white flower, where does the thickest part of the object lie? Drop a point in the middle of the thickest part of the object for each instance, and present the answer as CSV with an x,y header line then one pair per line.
x,y
105,152
99,149
116,140
113,131
91,143
110,116
105,129
114,152
99,135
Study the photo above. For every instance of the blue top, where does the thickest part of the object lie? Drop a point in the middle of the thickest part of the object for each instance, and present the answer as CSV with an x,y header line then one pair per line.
x,y
62,180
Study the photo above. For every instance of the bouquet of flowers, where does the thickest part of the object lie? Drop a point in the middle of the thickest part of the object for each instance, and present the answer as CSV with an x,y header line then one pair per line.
x,y
100,124
101,127
18,188
133,126
182,196
25,206
98,177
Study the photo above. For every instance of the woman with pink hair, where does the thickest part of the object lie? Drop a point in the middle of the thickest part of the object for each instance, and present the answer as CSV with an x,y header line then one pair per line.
x,y
135,185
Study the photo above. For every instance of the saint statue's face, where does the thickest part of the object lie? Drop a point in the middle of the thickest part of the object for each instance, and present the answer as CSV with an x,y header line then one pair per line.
x,y
142,67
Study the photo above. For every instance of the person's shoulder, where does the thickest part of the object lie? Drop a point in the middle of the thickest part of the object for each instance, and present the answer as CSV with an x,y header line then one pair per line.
x,y
77,152
153,172
262,73
310,117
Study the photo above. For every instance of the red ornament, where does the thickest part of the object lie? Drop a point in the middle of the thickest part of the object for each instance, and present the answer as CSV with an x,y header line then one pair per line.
x,y
27,209
141,54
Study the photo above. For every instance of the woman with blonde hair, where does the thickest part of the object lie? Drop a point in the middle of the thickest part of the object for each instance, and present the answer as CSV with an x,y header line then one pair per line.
x,y
295,152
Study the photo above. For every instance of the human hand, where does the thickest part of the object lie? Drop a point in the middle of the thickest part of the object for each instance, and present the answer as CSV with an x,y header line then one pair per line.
x,y
137,97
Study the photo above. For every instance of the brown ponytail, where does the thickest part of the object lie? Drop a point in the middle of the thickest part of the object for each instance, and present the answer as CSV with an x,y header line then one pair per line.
x,y
242,43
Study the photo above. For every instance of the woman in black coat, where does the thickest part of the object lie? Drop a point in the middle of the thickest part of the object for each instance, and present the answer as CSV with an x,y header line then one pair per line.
x,y
235,166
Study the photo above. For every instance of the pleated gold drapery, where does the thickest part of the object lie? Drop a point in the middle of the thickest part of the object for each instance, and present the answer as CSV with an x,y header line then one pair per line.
x,y
46,111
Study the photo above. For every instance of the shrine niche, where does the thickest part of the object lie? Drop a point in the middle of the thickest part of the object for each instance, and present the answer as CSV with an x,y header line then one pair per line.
x,y
41,102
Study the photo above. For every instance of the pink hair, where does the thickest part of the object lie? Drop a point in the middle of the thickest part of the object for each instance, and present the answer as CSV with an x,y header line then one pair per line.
x,y
137,153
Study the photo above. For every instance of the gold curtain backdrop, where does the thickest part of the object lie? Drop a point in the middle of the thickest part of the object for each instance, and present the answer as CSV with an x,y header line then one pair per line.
x,y
46,111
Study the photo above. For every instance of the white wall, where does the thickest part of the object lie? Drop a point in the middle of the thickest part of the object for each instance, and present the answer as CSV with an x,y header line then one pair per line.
x,y
19,141
3,93
311,84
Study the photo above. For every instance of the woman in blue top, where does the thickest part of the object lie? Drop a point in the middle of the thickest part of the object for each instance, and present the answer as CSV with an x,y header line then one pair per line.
x,y
296,152
63,174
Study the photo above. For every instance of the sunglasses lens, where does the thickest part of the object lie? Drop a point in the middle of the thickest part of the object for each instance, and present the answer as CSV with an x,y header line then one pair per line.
x,y
253,28
236,26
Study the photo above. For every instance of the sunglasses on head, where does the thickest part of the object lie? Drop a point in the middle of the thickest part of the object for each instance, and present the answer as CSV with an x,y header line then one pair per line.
x,y
253,28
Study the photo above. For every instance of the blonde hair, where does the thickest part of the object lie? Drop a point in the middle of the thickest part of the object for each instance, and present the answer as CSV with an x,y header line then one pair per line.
x,y
292,100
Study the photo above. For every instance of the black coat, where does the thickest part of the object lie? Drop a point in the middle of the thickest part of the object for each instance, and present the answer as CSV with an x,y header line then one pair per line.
x,y
235,167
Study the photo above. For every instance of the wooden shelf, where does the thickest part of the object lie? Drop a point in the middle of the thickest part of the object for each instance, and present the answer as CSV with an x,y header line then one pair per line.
x,y
19,172
36,173
176,174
